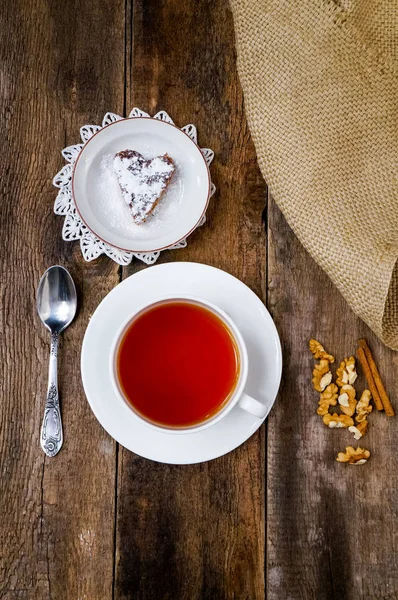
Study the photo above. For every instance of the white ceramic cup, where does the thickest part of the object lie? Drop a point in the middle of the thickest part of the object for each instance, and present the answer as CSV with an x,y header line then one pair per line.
x,y
238,396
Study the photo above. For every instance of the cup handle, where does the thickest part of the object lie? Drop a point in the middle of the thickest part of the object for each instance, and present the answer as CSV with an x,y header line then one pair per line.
x,y
252,406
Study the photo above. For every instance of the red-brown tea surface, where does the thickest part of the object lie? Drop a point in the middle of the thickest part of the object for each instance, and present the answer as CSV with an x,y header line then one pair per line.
x,y
177,364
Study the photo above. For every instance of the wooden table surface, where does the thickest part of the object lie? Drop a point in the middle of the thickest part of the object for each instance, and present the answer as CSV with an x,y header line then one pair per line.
x,y
277,518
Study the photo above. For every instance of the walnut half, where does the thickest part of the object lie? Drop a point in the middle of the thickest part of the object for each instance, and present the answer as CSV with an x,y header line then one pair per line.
x,y
346,373
318,351
321,375
337,421
347,400
353,456
328,398
363,407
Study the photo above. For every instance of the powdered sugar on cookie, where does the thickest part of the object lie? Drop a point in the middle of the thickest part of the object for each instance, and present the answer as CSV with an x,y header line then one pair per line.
x,y
142,182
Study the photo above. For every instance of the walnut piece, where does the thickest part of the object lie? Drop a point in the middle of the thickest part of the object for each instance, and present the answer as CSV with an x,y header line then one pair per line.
x,y
343,400
337,421
322,376
318,351
363,427
347,400
353,456
357,433
328,398
346,373
363,407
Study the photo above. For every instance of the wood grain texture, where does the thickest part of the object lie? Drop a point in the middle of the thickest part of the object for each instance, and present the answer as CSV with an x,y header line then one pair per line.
x,y
331,527
57,515
197,532
182,533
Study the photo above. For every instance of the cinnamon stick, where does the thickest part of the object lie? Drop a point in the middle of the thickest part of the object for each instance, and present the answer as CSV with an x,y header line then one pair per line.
x,y
389,410
369,378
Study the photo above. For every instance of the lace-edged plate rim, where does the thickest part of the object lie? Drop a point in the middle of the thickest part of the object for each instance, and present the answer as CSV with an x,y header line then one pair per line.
x,y
75,226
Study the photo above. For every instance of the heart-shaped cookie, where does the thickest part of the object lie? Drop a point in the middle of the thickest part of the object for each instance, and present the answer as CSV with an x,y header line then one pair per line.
x,y
142,182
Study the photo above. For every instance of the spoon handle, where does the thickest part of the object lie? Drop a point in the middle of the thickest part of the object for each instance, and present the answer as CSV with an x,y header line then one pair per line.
x,y
51,437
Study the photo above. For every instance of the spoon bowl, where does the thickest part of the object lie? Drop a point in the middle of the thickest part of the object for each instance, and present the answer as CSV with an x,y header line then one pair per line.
x,y
56,299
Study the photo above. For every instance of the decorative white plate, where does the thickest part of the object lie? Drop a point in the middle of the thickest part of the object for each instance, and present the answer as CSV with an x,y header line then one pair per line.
x,y
91,201
146,286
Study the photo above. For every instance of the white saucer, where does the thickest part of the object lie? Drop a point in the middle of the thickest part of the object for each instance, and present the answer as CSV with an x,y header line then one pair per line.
x,y
98,198
214,285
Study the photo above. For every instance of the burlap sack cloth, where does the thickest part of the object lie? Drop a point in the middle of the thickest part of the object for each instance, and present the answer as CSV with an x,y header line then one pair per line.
x,y
320,82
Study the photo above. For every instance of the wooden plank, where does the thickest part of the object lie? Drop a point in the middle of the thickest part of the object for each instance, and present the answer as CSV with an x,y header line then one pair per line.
x,y
331,527
197,532
62,66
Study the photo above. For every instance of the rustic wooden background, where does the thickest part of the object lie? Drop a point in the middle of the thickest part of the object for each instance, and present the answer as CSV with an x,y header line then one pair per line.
x,y
278,518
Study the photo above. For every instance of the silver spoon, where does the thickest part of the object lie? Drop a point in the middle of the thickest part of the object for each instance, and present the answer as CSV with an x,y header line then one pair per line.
x,y
56,305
